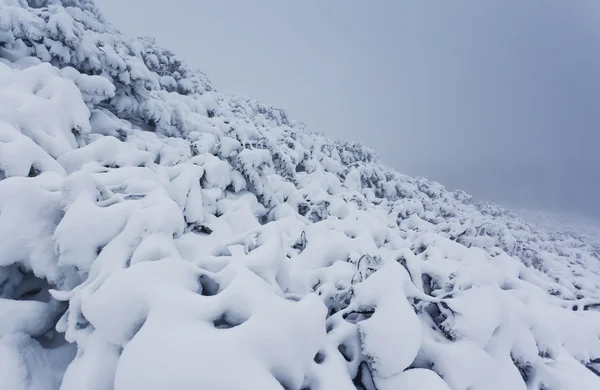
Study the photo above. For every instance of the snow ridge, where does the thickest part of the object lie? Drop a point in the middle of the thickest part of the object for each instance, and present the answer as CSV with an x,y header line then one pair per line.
x,y
158,234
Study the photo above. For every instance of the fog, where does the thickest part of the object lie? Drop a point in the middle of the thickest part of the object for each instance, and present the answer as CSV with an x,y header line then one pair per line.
x,y
498,98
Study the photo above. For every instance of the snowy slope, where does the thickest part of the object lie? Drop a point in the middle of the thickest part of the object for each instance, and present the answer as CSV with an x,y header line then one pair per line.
x,y
158,234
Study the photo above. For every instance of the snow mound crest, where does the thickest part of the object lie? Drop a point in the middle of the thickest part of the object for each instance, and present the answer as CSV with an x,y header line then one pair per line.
x,y
158,234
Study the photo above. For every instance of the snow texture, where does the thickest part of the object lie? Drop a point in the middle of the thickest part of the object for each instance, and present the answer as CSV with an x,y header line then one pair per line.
x,y
158,234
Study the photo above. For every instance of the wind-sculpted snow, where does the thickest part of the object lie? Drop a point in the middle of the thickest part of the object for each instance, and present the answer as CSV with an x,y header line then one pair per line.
x,y
157,234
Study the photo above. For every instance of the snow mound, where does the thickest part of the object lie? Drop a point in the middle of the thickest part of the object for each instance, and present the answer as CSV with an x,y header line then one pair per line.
x,y
158,234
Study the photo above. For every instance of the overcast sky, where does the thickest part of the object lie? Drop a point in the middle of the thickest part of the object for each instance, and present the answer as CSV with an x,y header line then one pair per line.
x,y
499,98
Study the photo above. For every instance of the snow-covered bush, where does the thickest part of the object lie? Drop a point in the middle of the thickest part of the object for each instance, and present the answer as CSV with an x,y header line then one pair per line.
x,y
157,234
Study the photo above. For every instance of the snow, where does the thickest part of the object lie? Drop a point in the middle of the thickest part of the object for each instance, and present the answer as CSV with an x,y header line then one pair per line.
x,y
156,233
391,337
413,379
27,365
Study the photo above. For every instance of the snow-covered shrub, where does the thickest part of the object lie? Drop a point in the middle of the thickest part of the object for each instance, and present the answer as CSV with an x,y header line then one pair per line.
x,y
155,233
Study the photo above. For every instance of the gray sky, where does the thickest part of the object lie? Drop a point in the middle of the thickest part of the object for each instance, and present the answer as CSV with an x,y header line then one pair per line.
x,y
499,98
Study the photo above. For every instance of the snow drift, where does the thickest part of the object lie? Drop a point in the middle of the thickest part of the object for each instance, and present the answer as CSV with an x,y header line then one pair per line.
x,y
158,234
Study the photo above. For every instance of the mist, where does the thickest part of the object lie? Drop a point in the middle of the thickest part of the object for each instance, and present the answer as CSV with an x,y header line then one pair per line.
x,y
498,98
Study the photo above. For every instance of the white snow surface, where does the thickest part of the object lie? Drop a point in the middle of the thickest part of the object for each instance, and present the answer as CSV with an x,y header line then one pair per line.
x,y
158,234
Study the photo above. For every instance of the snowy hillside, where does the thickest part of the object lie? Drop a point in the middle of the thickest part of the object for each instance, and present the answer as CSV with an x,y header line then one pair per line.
x,y
158,234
